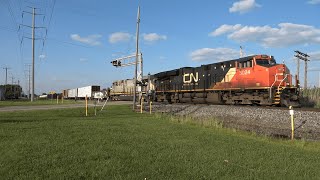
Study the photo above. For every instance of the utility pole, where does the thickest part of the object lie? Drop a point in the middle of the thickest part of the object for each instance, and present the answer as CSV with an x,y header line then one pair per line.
x,y
298,68
33,22
6,68
29,74
304,57
241,52
136,65
33,27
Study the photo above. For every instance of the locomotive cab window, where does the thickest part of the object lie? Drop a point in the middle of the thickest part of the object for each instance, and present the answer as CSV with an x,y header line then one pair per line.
x,y
266,62
249,63
245,64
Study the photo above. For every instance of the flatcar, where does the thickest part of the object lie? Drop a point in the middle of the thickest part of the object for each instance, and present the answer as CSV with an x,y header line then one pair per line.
x,y
251,80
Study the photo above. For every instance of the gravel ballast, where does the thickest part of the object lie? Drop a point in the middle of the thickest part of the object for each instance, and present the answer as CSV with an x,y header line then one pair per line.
x,y
270,122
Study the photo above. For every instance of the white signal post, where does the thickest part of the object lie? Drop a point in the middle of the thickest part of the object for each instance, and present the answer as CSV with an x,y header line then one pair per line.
x,y
141,108
291,112
86,105
150,107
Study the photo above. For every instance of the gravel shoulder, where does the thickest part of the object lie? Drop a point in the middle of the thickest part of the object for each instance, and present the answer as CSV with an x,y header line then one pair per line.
x,y
270,122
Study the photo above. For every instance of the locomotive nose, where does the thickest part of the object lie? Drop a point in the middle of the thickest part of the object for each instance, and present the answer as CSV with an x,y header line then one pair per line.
x,y
281,68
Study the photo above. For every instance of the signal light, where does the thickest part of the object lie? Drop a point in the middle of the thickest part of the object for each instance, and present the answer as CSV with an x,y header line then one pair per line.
x,y
116,63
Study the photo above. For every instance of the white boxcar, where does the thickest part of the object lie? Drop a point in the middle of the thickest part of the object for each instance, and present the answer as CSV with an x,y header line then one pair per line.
x,y
88,91
72,93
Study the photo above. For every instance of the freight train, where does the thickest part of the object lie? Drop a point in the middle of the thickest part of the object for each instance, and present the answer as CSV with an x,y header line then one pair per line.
x,y
124,89
81,93
251,80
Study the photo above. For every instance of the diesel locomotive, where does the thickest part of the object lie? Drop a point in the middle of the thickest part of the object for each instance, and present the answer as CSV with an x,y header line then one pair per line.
x,y
251,80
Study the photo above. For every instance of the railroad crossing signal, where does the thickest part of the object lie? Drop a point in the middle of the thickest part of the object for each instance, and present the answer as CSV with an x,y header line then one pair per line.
x,y
116,63
126,61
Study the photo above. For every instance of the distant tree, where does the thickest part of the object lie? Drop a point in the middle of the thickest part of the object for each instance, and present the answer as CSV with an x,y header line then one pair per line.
x,y
12,91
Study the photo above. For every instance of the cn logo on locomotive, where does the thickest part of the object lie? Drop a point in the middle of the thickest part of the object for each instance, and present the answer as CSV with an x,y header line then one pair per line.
x,y
187,78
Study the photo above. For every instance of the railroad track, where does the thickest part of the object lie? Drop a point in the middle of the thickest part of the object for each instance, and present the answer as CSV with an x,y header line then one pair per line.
x,y
271,121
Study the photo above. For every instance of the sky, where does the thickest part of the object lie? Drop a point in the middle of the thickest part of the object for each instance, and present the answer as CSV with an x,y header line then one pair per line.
x,y
77,39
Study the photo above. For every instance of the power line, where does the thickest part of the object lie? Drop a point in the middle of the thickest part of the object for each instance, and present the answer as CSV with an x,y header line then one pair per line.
x,y
304,57
33,45
12,14
45,38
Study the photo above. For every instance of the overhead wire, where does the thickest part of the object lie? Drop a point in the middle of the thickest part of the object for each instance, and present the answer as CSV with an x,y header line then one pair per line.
x,y
15,25
45,38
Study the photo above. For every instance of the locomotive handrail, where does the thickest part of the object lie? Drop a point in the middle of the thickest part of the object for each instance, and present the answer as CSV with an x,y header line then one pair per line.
x,y
282,81
275,79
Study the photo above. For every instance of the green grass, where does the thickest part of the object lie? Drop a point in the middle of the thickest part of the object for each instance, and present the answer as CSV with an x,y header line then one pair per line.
x,y
36,102
120,144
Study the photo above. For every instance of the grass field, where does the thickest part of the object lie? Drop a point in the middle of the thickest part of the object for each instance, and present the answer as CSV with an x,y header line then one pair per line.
x,y
120,144
36,102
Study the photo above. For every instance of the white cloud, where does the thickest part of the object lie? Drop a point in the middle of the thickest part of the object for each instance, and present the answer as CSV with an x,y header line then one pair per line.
x,y
286,34
90,40
119,37
314,56
42,56
314,2
214,54
152,37
83,60
243,6
225,29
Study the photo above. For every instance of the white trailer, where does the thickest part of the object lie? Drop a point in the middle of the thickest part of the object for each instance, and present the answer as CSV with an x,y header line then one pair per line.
x,y
99,95
88,91
72,93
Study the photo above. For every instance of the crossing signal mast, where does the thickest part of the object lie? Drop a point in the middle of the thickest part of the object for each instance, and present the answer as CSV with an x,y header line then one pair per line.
x,y
130,61
127,61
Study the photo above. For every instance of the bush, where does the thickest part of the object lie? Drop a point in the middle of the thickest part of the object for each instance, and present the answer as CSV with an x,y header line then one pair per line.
x,y
311,97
